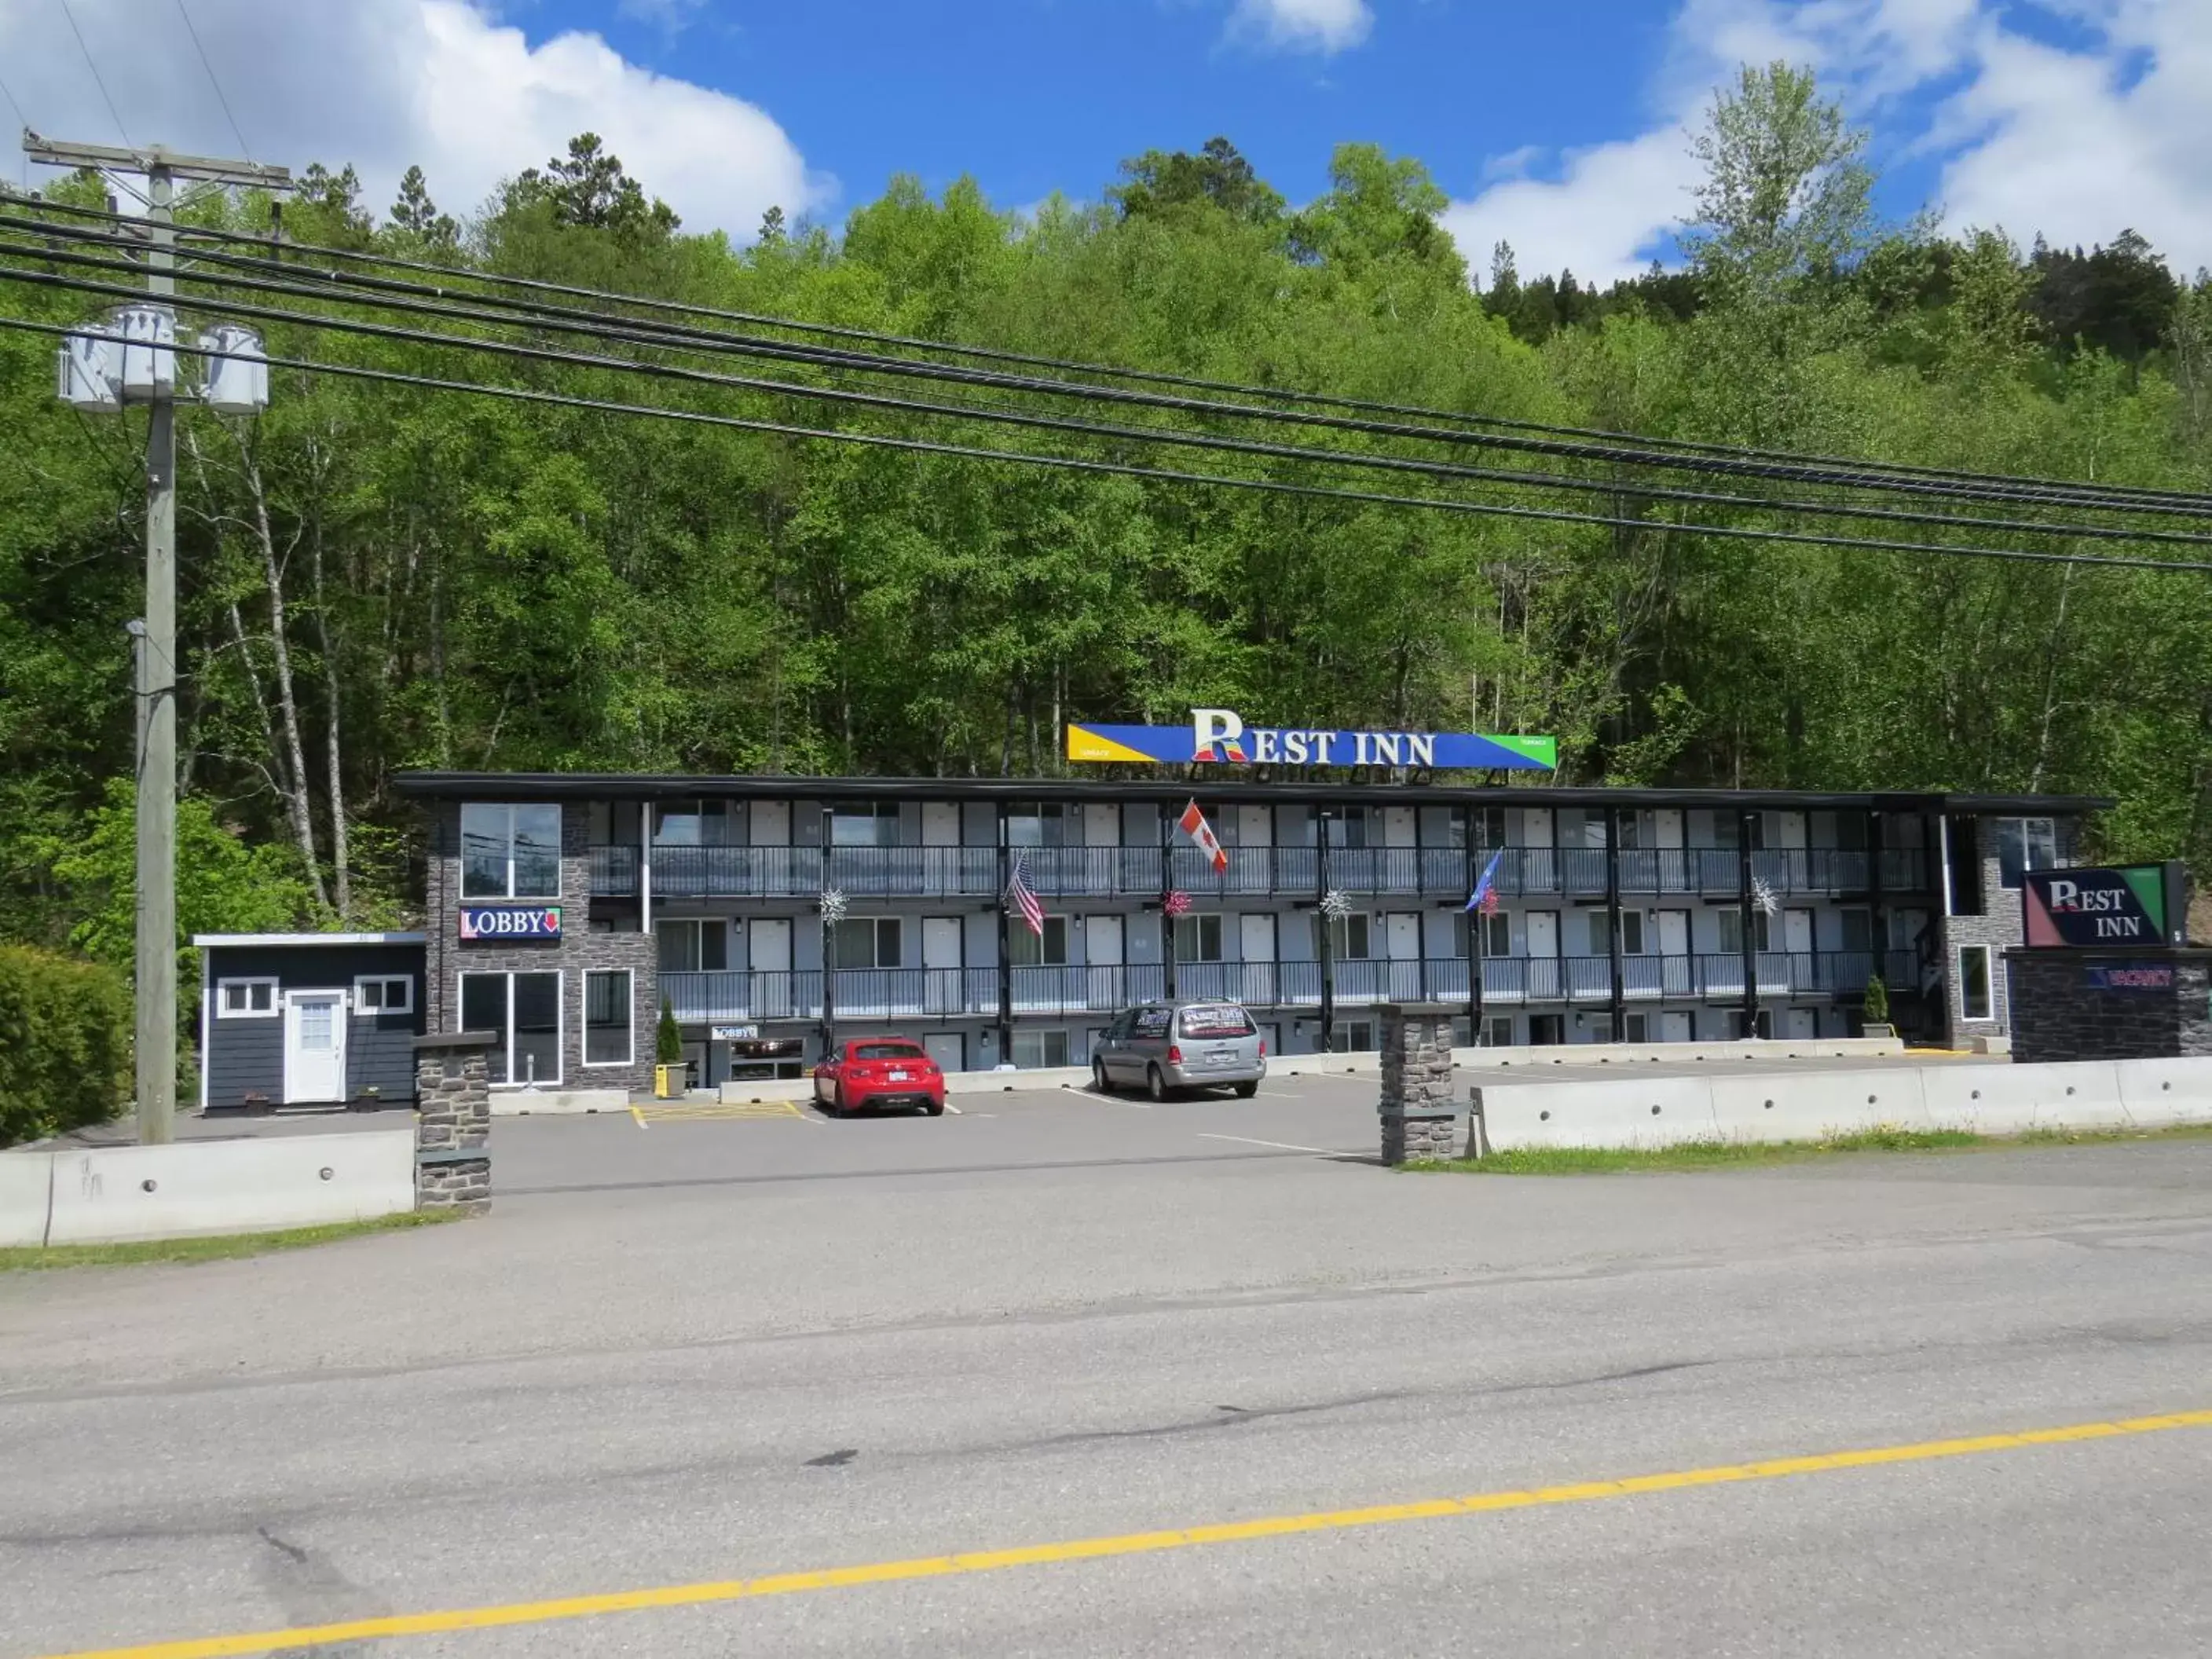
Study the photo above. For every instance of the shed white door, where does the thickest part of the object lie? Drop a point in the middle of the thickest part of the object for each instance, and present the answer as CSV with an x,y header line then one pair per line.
x,y
315,1046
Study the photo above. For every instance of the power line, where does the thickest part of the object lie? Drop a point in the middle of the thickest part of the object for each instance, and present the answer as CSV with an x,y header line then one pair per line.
x,y
94,68
1304,454
1120,468
21,119
215,80
1276,394
566,319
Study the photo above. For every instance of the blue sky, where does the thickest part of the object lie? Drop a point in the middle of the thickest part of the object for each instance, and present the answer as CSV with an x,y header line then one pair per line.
x,y
1559,128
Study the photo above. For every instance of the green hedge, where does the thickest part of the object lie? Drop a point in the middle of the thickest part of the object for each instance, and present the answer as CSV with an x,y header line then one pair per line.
x,y
64,1043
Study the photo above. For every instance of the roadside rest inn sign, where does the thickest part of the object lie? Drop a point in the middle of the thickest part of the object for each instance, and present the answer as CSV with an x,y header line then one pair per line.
x,y
1219,735
2142,904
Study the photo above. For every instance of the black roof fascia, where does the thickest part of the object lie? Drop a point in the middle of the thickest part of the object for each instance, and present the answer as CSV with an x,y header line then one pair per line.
x,y
636,786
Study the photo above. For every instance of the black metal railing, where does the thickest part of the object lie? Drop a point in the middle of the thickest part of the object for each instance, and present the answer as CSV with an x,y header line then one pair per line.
x,y
929,872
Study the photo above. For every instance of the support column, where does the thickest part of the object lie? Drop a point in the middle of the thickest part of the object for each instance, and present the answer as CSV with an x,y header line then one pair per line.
x,y
1325,946
1474,921
1745,910
1167,921
1619,997
1416,1104
1006,950
452,1127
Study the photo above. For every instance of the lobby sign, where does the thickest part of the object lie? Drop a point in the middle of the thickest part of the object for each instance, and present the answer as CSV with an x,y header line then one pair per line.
x,y
2127,904
1221,736
489,924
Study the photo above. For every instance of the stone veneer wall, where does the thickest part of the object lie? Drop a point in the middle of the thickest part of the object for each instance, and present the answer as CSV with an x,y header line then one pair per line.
x,y
578,949
2057,1014
1416,1107
1999,927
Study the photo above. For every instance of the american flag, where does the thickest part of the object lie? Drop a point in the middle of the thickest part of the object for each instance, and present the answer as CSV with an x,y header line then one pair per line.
x,y
1020,898
1484,898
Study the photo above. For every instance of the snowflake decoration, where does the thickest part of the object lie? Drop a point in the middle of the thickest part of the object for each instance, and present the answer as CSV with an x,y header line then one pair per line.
x,y
1763,896
833,906
1176,903
1334,905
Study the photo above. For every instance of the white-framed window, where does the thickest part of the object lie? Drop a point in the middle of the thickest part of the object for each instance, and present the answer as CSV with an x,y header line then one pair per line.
x,y
384,994
869,942
1974,1001
1492,932
1631,934
1485,827
1498,1031
1355,827
690,944
1356,1038
1037,1048
510,851
1347,936
1198,939
862,823
607,1006
692,822
523,1011
245,999
2025,844
1026,948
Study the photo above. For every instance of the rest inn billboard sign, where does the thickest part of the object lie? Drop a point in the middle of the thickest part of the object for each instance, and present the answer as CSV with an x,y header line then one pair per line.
x,y
1221,736
2130,905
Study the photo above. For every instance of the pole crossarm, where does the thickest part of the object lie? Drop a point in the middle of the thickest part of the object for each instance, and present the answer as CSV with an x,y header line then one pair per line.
x,y
149,158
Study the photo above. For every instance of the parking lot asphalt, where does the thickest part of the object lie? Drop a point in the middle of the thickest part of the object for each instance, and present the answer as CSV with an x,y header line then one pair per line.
x,y
705,1350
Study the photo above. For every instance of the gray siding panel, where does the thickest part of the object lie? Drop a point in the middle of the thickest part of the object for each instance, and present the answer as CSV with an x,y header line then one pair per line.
x,y
244,1060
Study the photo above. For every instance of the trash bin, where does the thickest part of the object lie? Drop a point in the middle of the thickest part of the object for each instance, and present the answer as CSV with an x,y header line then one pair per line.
x,y
668,1081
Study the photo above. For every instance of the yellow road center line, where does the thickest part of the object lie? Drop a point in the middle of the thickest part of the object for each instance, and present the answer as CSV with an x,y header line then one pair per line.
x,y
639,1115
1094,1549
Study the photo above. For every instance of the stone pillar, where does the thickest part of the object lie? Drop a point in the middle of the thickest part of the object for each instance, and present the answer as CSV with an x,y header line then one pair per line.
x,y
452,1125
1416,1107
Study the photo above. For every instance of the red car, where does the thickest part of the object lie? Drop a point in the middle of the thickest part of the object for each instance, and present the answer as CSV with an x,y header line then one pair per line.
x,y
879,1072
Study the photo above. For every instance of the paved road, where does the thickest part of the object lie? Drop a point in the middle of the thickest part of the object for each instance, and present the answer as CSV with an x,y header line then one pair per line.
x,y
714,1350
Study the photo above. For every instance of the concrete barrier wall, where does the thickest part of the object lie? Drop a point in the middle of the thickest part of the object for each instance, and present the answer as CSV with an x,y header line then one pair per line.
x,y
25,1179
1994,1100
119,1192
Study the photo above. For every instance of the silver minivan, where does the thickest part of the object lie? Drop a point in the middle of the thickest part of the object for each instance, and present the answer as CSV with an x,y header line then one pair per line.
x,y
1159,1046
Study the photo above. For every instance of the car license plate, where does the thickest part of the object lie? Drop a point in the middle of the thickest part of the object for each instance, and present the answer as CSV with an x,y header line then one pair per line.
x,y
1222,1057
898,1077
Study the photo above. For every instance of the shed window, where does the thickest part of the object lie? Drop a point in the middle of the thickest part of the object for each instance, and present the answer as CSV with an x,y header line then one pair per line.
x,y
384,994
245,999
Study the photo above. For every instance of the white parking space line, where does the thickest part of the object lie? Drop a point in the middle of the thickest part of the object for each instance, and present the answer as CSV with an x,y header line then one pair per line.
x,y
955,1111
1280,1094
1280,1146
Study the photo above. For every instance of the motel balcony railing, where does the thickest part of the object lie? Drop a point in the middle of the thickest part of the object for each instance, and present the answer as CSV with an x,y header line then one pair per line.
x,y
891,994
1062,872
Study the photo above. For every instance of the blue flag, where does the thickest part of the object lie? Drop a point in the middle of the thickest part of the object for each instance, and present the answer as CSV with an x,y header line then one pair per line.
x,y
1484,896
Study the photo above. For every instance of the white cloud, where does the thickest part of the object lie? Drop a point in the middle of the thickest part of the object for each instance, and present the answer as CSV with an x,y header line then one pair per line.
x,y
2076,143
385,83
1327,27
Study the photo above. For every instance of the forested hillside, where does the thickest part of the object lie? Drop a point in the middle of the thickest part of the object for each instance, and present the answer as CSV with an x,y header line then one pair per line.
x,y
377,576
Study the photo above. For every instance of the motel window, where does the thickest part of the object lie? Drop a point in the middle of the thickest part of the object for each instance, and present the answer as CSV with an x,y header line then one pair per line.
x,y
693,946
1731,925
1356,1037
523,1013
1037,1048
1354,827
607,1017
510,852
1974,982
384,994
1347,937
1858,930
245,999
1198,939
1498,1031
1631,934
1726,825
864,825
1038,823
1491,933
1484,828
867,942
2025,844
1636,1028
690,823
1027,949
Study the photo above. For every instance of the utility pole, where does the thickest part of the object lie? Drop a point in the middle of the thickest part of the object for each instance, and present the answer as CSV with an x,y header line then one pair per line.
x,y
155,674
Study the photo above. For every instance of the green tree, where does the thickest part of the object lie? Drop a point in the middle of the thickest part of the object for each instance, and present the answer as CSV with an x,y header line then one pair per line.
x,y
1160,181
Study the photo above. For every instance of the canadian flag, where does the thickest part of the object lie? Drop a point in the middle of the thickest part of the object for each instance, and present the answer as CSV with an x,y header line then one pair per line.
x,y
1195,826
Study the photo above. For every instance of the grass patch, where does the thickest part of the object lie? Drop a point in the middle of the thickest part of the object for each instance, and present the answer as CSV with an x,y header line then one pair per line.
x,y
222,1247
1736,1154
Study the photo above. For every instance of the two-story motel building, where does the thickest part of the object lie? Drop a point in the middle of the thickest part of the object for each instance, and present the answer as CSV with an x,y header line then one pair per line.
x,y
1637,914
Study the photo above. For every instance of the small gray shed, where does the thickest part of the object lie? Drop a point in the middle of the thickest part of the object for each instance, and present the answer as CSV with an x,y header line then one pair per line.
x,y
296,1020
